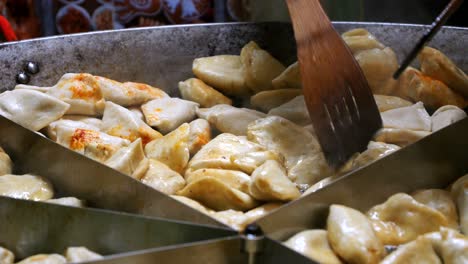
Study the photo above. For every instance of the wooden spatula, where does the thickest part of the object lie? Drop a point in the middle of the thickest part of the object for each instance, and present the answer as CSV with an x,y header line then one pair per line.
x,y
339,100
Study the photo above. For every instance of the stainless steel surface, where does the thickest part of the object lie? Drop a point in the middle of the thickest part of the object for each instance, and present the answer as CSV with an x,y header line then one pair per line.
x,y
222,251
73,174
433,162
29,228
163,56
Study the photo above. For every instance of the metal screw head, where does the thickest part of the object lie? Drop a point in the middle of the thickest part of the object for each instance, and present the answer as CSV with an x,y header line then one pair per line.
x,y
31,67
22,78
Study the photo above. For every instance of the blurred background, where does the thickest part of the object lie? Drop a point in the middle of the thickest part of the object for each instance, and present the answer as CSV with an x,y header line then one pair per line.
x,y
37,18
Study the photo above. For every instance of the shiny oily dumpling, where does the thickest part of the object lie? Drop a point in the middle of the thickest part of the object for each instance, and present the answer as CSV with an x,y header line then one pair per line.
x,y
68,201
232,218
417,251
197,91
441,201
352,237
248,162
401,219
270,183
459,192
375,151
445,116
450,245
44,259
120,122
81,91
172,149
260,211
313,244
304,158
159,176
267,100
223,72
93,144
294,110
399,137
31,109
435,64
6,164
260,68
218,152
360,39
126,159
386,102
192,203
167,114
415,86
217,195
234,179
289,78
413,117
28,187
81,254
230,119
6,256
128,93
200,135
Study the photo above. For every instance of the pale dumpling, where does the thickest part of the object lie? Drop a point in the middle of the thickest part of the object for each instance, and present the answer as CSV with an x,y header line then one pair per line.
x,y
260,68
289,78
6,164
248,162
197,91
417,251
167,114
81,91
172,149
120,122
386,102
413,117
200,135
232,218
294,110
28,187
81,254
217,195
127,158
44,259
267,100
441,201
232,178
230,119
459,193
31,109
270,183
259,212
375,151
68,201
304,158
192,203
400,137
52,127
6,256
159,176
435,64
32,87
128,93
352,237
401,219
450,245
218,152
360,39
223,72
94,144
92,121
313,244
445,116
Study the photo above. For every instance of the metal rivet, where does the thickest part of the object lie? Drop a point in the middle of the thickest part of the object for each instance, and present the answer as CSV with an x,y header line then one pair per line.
x,y
22,78
31,67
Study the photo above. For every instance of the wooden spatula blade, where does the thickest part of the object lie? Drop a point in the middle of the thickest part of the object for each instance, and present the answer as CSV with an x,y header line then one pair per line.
x,y
340,102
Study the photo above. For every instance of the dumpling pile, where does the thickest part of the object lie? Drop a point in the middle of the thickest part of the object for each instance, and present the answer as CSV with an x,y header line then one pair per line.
x,y
71,255
240,137
429,226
